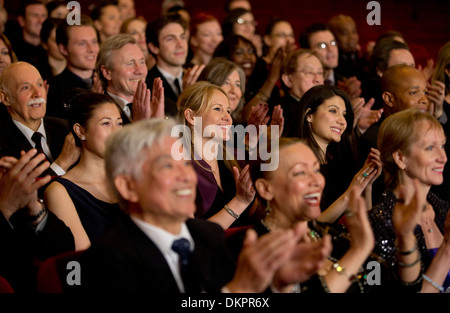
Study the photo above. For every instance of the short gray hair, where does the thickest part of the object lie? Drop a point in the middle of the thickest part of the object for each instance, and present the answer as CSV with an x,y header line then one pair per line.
x,y
105,55
126,149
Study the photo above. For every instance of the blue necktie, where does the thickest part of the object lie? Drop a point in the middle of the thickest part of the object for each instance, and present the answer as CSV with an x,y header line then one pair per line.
x,y
182,248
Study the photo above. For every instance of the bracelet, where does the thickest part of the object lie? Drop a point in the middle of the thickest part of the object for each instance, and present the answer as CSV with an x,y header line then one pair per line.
x,y
33,218
231,212
404,265
432,283
341,270
261,96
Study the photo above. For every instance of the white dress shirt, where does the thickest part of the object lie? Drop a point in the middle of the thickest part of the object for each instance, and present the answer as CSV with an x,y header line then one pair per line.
x,y
171,79
122,103
28,133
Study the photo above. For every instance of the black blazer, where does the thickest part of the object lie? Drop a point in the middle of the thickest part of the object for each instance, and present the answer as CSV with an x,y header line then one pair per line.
x,y
22,249
12,140
170,98
124,259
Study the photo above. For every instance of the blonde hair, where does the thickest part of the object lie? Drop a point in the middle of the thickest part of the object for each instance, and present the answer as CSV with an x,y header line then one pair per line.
x,y
399,132
198,97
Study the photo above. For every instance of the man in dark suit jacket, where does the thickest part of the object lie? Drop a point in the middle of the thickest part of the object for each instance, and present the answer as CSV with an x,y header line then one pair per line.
x,y
157,247
29,234
23,93
79,45
167,40
122,70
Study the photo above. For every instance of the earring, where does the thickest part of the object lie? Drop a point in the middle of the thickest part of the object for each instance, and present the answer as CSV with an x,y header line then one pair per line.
x,y
268,209
83,138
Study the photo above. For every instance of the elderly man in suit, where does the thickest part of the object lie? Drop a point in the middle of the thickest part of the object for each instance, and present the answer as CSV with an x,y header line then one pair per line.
x,y
25,126
158,247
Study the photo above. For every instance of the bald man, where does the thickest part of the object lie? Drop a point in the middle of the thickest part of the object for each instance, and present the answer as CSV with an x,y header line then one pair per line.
x,y
404,87
23,93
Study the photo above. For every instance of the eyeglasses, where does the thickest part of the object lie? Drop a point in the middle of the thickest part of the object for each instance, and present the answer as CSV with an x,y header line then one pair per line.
x,y
311,74
324,45
241,21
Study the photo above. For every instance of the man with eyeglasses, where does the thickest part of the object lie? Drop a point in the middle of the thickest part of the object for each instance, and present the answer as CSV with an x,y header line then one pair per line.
x,y
319,38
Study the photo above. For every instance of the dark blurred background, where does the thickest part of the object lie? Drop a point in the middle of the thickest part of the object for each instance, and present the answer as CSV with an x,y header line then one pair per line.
x,y
424,24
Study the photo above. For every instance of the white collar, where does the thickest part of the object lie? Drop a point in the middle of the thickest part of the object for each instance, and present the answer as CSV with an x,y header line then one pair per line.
x,y
161,238
28,132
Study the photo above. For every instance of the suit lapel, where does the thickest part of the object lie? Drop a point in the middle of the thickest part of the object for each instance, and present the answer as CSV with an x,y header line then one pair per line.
x,y
154,265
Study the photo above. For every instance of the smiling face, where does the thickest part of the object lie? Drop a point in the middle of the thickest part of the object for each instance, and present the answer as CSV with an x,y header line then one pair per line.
x,y
172,50
127,70
245,25
35,15
324,44
426,158
208,37
166,189
282,35
25,97
233,89
5,58
82,48
295,187
409,91
328,123
217,116
136,28
245,56
109,22
309,73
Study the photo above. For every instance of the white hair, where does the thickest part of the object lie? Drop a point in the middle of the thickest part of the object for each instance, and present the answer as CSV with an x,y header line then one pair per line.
x,y
126,148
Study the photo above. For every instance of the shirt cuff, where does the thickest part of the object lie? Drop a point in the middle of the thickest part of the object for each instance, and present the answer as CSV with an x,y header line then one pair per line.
x,y
57,169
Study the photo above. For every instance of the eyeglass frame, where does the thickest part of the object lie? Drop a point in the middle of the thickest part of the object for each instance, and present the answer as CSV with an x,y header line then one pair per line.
x,y
242,21
324,45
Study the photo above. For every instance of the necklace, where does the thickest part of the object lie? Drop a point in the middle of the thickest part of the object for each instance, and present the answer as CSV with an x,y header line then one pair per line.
x,y
429,230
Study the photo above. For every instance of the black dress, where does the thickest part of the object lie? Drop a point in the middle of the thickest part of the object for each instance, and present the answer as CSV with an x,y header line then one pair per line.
x,y
95,215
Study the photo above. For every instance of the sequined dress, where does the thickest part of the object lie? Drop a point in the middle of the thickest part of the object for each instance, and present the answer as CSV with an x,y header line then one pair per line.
x,y
381,219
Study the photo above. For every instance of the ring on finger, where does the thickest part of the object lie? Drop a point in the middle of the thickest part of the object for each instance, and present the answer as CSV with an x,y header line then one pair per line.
x,y
365,175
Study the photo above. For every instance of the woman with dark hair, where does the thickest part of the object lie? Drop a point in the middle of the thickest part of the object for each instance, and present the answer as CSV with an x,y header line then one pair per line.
x,y
261,86
56,61
242,22
81,198
325,120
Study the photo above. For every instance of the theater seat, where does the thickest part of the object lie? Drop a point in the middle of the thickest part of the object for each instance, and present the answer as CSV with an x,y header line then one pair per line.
x,y
52,273
5,287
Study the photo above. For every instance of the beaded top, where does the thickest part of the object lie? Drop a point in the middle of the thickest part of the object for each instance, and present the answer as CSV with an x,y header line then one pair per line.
x,y
381,219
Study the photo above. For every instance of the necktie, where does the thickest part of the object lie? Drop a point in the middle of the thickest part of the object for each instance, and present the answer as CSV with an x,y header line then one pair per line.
x,y
37,139
182,248
188,273
177,85
130,107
